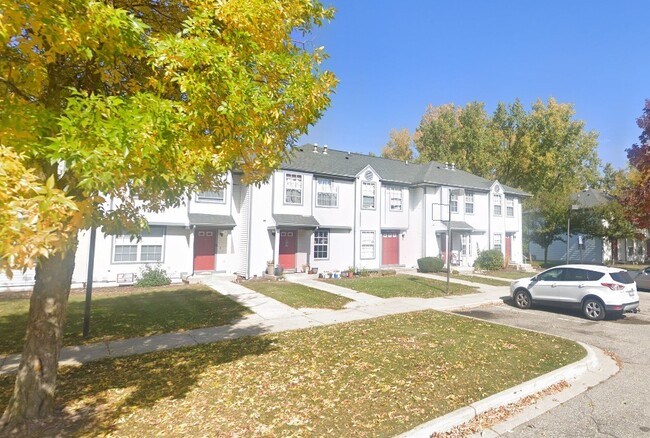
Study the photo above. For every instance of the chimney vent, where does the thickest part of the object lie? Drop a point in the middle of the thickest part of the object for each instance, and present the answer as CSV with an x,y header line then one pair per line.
x,y
453,166
315,148
446,164
325,150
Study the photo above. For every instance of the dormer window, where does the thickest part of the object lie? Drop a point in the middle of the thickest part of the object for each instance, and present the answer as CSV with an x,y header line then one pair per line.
x,y
218,196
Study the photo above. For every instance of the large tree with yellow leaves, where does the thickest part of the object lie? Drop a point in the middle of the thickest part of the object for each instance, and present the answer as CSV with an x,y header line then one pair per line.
x,y
149,99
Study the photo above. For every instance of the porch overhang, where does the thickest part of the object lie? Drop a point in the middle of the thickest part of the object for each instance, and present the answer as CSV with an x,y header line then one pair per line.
x,y
212,220
459,226
295,221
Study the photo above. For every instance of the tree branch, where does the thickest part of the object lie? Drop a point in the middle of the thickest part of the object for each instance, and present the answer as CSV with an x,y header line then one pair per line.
x,y
17,90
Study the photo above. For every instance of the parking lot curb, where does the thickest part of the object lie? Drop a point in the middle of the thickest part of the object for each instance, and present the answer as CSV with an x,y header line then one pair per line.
x,y
593,369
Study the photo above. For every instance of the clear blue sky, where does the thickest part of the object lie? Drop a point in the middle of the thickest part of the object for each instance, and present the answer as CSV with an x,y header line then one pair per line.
x,y
394,58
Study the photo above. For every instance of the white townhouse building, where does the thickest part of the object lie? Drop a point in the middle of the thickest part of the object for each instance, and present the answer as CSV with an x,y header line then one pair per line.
x,y
324,209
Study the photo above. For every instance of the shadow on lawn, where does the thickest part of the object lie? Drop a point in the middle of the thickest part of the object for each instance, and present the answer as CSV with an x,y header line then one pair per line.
x,y
131,314
91,398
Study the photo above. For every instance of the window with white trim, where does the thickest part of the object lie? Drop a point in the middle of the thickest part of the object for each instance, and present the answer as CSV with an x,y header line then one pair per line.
x,y
367,244
469,202
293,188
510,206
394,198
368,195
327,193
127,248
321,244
497,201
453,202
496,241
218,196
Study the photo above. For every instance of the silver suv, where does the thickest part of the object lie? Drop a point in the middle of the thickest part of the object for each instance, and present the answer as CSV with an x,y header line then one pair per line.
x,y
598,291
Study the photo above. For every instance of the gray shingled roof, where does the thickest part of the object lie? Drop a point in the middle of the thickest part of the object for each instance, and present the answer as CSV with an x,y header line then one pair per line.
x,y
591,198
348,165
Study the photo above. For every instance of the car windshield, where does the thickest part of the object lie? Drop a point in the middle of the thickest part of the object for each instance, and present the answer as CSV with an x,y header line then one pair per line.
x,y
622,277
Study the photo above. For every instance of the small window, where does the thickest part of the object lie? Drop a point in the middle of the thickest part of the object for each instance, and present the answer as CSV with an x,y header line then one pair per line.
x,y
395,198
496,241
469,203
510,206
218,197
293,189
497,204
368,192
367,244
453,202
321,244
327,194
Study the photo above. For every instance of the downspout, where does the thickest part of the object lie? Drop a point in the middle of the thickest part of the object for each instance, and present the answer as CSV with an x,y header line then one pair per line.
x,y
423,249
489,219
250,224
277,231
354,230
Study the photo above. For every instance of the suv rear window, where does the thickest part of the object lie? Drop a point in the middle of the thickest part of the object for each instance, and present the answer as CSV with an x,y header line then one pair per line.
x,y
622,277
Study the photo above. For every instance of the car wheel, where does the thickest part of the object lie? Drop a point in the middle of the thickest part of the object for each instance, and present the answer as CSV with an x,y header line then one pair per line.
x,y
523,299
593,309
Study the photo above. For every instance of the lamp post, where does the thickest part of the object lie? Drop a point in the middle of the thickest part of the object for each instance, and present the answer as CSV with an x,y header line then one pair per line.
x,y
568,230
457,192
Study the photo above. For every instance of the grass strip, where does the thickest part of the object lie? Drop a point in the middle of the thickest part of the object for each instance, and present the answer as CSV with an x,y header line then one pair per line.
x,y
297,295
402,286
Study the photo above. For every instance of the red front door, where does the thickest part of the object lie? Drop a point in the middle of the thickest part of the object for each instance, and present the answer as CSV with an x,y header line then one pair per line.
x,y
287,249
204,244
390,248
508,249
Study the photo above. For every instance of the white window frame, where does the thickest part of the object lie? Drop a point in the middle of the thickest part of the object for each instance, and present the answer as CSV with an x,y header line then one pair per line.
x,y
469,202
218,197
497,207
321,244
510,206
453,202
327,187
364,196
395,198
368,245
497,241
152,239
294,182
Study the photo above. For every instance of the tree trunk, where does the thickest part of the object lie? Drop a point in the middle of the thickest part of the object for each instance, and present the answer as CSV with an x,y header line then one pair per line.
x,y
545,255
33,397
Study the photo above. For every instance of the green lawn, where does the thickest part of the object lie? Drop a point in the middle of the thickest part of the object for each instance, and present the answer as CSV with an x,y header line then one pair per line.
x,y
512,275
378,377
125,313
402,286
482,280
297,295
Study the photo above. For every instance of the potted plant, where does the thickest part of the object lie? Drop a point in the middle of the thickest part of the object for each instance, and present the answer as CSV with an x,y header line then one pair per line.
x,y
351,272
269,267
279,270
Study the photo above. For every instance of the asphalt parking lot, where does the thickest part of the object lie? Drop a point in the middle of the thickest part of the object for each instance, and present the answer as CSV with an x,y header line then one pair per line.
x,y
619,407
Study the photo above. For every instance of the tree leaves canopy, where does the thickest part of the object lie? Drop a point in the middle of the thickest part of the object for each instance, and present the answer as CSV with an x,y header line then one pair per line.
x,y
399,146
636,196
152,99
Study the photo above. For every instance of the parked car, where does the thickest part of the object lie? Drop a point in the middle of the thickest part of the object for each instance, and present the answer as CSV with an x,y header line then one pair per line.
x,y
597,291
642,278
